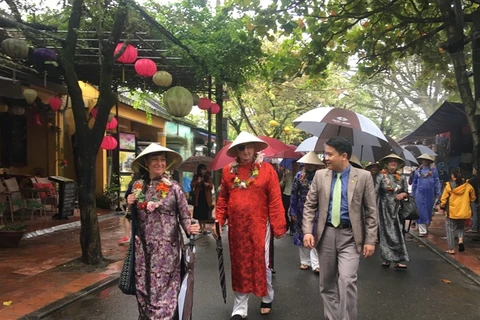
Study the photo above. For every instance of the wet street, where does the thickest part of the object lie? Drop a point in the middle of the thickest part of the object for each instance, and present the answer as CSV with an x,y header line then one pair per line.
x,y
416,293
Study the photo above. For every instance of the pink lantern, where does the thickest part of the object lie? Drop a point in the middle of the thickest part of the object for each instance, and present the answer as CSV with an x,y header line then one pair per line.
x,y
204,103
215,108
109,143
128,56
55,103
145,67
94,112
112,124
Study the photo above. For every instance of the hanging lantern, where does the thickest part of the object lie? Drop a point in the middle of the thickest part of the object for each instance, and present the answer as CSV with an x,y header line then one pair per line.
x,y
204,103
55,103
17,110
128,56
145,67
273,123
215,108
36,120
15,48
109,143
287,130
178,101
162,79
30,95
196,99
3,107
94,112
112,124
42,55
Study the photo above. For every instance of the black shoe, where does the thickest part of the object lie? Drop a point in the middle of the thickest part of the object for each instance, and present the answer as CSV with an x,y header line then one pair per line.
x,y
461,247
237,317
265,305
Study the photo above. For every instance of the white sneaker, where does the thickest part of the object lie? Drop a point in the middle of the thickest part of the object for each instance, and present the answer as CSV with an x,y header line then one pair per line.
x,y
471,231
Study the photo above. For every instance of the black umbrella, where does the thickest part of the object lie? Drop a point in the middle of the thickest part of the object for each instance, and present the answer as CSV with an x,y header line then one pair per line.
x,y
221,267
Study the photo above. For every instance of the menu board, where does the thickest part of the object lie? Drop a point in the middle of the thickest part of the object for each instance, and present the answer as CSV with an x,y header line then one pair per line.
x,y
67,196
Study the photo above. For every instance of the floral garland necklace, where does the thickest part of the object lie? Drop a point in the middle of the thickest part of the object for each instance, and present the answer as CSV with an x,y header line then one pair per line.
x,y
388,182
428,174
244,184
306,178
162,189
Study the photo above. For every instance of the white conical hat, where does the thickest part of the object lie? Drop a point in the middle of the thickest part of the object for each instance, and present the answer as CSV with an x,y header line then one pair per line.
x,y
383,161
425,156
311,158
174,159
246,138
354,161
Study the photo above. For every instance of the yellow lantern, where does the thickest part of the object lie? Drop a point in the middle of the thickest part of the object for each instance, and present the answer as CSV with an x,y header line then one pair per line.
x,y
17,110
273,123
162,79
30,95
287,130
3,107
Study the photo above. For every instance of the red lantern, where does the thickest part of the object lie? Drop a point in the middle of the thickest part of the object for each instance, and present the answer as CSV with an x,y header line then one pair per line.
x,y
145,67
204,103
128,56
109,143
55,103
215,108
94,112
112,124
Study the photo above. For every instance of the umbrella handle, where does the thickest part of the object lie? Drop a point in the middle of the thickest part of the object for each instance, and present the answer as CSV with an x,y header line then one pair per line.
x,y
217,228
192,236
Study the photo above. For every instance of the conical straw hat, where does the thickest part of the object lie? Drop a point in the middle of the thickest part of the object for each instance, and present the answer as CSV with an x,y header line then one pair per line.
x,y
311,158
246,138
425,156
372,165
174,159
354,161
383,161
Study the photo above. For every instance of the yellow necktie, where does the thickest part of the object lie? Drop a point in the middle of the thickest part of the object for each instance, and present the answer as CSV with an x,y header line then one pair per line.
x,y
337,201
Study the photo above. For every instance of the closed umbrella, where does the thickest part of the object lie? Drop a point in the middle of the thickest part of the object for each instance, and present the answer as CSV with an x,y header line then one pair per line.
x,y
192,163
328,122
185,297
221,267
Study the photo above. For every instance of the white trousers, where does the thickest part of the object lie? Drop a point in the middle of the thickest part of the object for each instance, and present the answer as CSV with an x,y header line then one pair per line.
x,y
240,301
309,257
422,228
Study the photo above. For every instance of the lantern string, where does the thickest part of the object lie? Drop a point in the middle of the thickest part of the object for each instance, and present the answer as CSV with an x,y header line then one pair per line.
x,y
123,73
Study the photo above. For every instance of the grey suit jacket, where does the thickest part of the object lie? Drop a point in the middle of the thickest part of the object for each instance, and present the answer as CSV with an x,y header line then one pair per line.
x,y
362,207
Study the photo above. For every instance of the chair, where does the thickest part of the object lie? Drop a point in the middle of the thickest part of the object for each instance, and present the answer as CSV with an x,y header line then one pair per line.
x,y
13,195
3,199
48,195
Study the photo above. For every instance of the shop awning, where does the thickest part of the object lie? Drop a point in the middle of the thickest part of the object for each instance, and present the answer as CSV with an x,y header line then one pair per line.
x,y
448,117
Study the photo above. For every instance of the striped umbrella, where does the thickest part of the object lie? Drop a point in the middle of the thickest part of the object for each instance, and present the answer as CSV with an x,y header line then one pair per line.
x,y
221,267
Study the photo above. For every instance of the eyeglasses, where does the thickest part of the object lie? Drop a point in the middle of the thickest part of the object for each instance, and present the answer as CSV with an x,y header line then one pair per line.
x,y
241,147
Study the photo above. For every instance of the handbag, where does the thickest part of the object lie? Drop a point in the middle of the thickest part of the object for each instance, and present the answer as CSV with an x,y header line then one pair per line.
x,y
126,281
408,209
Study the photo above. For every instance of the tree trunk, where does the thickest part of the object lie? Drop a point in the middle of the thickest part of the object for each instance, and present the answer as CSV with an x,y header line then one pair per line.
x,y
455,47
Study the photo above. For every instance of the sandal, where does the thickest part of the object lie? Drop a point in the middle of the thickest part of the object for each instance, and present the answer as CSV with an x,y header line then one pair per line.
x,y
317,270
450,251
385,264
264,306
461,247
304,267
237,317
400,266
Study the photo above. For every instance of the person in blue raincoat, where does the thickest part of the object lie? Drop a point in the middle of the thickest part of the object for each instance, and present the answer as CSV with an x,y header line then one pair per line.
x,y
426,189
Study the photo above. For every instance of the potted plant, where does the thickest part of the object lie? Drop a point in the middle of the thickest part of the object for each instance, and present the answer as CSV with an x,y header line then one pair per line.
x,y
11,235
110,195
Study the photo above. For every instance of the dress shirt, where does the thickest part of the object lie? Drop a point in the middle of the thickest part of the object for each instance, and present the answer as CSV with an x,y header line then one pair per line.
x,y
344,176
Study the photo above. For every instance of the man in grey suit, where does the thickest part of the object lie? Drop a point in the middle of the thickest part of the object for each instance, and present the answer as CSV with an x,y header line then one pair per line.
x,y
347,227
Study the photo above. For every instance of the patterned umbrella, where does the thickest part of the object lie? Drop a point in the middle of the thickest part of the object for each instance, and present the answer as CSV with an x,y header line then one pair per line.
x,y
192,163
418,150
221,267
185,297
328,122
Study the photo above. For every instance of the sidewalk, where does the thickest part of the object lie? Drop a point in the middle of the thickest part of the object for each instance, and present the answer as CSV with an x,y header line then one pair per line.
x,y
466,261
45,268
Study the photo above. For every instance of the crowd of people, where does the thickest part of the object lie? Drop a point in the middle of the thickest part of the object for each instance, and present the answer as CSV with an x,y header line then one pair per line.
x,y
336,211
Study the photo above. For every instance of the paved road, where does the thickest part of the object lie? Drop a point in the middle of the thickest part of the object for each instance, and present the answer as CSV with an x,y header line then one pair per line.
x,y
416,293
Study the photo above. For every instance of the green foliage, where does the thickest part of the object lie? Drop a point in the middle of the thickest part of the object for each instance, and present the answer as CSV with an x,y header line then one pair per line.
x,y
13,227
